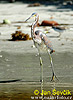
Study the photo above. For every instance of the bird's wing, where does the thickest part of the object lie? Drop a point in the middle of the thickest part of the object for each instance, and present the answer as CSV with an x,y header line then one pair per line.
x,y
47,42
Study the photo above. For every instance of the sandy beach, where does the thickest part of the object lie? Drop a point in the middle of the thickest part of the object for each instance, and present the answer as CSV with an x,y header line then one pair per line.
x,y
19,65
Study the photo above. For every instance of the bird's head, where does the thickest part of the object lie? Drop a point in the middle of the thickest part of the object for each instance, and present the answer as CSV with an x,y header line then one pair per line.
x,y
33,15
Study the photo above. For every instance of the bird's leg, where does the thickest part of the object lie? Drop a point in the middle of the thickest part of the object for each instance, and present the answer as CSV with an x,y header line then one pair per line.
x,y
59,35
53,73
41,65
41,69
41,72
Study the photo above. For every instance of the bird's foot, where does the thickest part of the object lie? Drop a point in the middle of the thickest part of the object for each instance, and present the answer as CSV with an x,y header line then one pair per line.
x,y
54,78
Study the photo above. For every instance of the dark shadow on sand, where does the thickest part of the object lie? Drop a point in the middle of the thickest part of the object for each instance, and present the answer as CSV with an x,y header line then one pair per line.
x,y
9,81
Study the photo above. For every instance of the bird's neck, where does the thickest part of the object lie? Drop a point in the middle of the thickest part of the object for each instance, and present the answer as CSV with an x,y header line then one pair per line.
x,y
34,24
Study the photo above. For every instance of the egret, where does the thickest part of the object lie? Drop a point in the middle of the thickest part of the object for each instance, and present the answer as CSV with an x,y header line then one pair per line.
x,y
41,41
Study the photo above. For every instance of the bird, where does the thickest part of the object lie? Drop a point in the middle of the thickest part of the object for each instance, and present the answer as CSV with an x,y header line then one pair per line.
x,y
59,29
41,41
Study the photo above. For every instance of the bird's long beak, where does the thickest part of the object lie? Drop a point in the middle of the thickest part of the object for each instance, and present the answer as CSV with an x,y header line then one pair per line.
x,y
29,18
